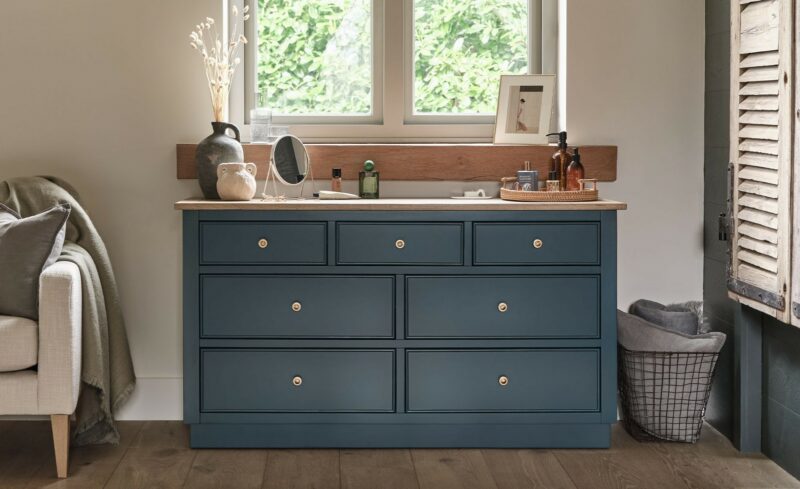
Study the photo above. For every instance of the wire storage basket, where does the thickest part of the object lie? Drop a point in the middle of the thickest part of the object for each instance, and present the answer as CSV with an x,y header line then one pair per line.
x,y
664,394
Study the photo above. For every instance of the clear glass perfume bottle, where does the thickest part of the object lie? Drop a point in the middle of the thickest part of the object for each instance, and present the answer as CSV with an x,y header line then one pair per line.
x,y
368,181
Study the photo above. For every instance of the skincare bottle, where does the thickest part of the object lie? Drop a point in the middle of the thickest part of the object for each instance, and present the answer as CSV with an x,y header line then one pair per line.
x,y
368,181
336,180
575,172
528,179
561,158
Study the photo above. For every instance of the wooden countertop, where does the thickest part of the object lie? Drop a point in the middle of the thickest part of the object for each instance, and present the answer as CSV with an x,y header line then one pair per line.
x,y
397,205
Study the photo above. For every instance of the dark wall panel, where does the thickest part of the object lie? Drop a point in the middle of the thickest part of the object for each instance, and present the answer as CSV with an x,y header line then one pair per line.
x,y
717,306
781,408
781,343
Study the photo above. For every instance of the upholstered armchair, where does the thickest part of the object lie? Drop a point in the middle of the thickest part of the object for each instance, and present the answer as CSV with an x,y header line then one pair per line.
x,y
40,362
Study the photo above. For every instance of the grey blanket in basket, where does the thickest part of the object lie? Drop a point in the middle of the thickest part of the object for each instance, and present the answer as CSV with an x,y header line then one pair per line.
x,y
684,318
664,385
635,333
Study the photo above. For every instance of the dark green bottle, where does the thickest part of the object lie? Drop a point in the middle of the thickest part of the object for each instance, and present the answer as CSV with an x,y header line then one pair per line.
x,y
369,182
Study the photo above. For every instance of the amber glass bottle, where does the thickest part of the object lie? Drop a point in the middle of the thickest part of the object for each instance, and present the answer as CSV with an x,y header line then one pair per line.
x,y
336,180
575,172
561,159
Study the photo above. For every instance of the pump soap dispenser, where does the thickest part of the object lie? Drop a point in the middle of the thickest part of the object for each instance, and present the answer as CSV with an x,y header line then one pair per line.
x,y
561,159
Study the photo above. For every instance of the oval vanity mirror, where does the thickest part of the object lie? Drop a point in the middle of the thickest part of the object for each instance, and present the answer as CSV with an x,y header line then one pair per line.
x,y
289,164
289,160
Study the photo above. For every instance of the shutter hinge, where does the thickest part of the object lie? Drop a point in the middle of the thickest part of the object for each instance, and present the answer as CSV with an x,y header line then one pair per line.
x,y
724,227
725,224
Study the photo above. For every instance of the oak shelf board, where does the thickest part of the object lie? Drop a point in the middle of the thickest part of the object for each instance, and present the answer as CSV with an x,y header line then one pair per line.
x,y
423,162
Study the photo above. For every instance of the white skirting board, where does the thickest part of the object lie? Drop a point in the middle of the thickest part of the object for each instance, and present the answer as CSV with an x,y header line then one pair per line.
x,y
155,398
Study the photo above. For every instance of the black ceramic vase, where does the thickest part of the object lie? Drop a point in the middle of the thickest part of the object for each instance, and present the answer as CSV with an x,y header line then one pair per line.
x,y
213,150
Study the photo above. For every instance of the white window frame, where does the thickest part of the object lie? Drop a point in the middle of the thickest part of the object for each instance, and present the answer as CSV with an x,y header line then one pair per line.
x,y
392,118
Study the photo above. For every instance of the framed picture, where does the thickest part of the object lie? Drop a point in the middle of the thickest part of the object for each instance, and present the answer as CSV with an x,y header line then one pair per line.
x,y
524,109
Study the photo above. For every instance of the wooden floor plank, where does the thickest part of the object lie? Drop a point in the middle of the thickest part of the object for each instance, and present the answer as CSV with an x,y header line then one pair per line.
x,y
742,470
90,467
302,469
627,465
533,469
242,469
159,457
708,464
450,469
156,455
26,447
363,469
5,426
144,468
162,434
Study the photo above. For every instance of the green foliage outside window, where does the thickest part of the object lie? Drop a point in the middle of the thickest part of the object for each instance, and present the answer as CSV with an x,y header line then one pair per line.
x,y
315,55
462,48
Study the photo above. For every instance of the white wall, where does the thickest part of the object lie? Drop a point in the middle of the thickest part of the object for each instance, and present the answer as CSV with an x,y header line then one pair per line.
x,y
635,78
98,92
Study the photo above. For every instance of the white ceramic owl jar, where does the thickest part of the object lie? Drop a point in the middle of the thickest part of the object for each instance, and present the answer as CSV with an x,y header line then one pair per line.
x,y
236,181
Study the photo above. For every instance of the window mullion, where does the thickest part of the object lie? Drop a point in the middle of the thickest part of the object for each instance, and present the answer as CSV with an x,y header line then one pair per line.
x,y
394,74
237,100
250,69
535,37
379,43
549,36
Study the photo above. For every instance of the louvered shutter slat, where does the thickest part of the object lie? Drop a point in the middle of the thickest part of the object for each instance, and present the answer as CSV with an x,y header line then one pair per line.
x,y
764,117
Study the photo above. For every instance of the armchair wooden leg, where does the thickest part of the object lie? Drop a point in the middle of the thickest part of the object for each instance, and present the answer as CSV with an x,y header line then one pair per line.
x,y
60,425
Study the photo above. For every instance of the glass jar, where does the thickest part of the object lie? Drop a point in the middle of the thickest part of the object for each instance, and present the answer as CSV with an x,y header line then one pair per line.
x,y
260,123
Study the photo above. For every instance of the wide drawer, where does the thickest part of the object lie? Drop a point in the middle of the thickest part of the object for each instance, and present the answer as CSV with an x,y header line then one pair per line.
x,y
288,306
537,243
533,380
400,243
297,380
278,243
503,307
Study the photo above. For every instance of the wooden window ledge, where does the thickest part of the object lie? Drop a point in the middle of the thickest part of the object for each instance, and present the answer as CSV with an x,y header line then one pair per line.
x,y
424,162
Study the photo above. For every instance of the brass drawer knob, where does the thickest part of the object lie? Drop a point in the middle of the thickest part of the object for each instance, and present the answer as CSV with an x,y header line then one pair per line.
x,y
502,307
263,243
297,380
537,243
399,244
502,380
296,306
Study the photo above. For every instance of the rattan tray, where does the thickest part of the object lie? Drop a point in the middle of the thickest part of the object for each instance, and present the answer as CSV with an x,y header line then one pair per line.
x,y
586,195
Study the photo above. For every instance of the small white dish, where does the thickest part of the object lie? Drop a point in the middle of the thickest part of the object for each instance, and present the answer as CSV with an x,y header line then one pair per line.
x,y
479,194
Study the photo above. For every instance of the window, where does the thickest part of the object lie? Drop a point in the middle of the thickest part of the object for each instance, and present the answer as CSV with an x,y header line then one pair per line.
x,y
460,48
315,57
390,70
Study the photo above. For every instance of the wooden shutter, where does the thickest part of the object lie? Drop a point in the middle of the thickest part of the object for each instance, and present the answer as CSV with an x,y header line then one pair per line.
x,y
795,283
761,154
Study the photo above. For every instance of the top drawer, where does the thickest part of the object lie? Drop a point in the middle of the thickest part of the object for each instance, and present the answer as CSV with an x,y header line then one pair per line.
x,y
532,243
271,243
400,243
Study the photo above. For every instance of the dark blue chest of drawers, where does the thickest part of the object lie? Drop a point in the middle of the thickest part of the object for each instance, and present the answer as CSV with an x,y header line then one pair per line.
x,y
399,328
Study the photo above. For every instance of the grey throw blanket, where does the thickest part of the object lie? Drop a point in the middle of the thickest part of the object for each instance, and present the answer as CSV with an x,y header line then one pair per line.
x,y
107,370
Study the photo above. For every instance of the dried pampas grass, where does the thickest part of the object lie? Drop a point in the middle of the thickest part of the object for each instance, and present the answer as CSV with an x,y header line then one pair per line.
x,y
219,63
